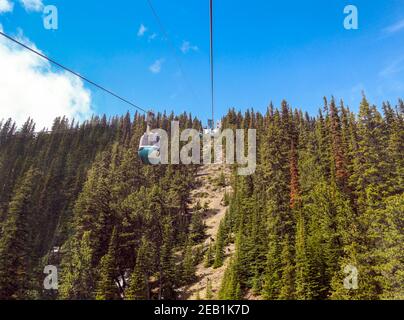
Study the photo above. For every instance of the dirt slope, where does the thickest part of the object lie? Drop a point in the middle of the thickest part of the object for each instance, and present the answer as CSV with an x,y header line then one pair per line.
x,y
208,192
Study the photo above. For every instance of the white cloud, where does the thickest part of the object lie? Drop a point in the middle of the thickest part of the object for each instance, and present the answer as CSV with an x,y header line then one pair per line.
x,y
156,66
30,88
152,36
142,30
6,6
396,27
186,47
393,68
32,5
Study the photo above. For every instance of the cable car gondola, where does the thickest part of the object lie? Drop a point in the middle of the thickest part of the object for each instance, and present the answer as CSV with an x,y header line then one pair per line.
x,y
149,146
211,130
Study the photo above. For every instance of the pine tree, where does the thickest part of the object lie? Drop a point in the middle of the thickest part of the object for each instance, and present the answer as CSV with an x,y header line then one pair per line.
x,y
138,285
369,179
287,280
15,253
139,281
167,274
209,257
219,247
188,264
209,290
329,221
387,228
77,278
340,171
326,197
107,288
303,290
230,288
272,270
197,227
294,178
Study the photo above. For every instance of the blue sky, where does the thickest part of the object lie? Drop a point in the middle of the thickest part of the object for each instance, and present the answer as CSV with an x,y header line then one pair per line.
x,y
265,50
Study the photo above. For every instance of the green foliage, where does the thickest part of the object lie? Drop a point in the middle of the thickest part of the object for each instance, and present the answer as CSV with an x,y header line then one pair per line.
x,y
230,287
221,180
188,264
226,199
16,242
107,288
209,257
272,276
139,282
77,276
327,193
287,286
197,227
219,247
321,200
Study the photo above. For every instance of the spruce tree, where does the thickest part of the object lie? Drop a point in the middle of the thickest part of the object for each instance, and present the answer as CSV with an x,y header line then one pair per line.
x,y
219,247
303,290
287,288
77,275
107,288
209,290
188,264
209,257
271,286
15,243
139,288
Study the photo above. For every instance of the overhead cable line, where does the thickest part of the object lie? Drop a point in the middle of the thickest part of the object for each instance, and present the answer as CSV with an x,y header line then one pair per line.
x,y
163,30
73,72
212,75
